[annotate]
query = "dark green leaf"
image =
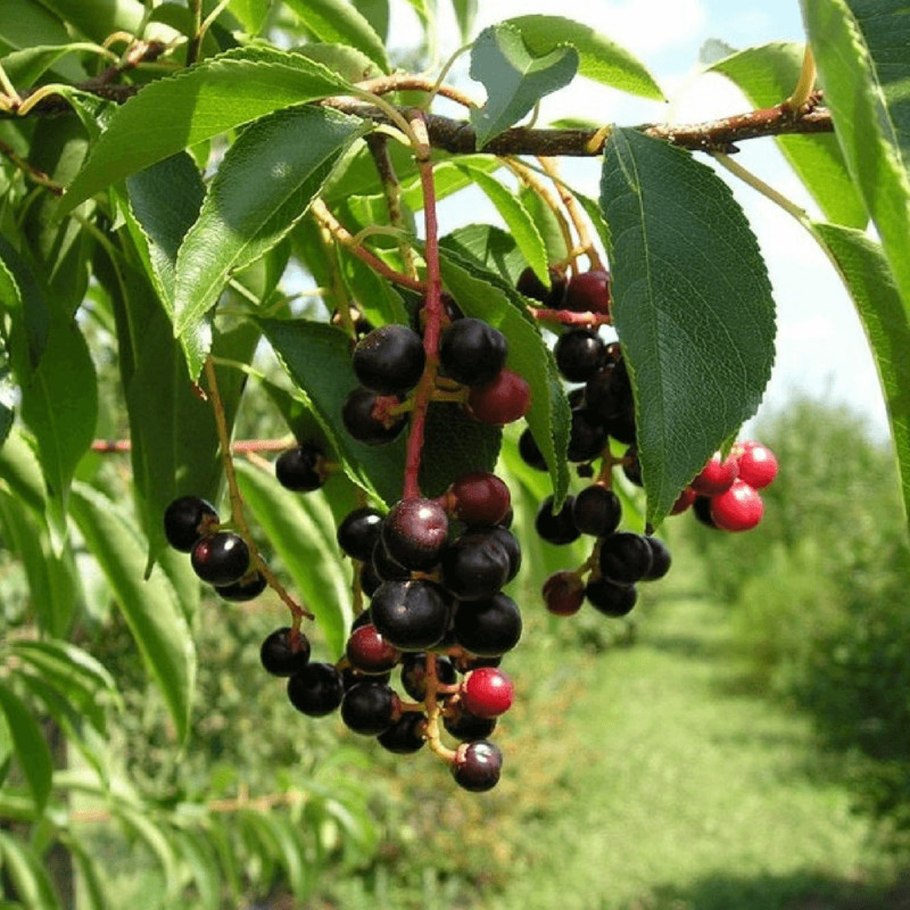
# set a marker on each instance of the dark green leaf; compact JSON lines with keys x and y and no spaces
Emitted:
{"x":547,"y":225}
{"x":515,"y":78}
{"x":338,"y":22}
{"x":376,"y":12}
{"x":692,"y":307}
{"x":151,"y":608}
{"x":454,"y":445}
{"x":598,"y":57}
{"x":29,"y":746}
{"x":490,"y":247}
{"x":26,"y":303}
{"x":203,"y":101}
{"x":26,"y":66}
{"x":25,"y":24}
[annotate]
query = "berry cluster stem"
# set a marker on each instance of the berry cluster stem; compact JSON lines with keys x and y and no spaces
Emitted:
{"x":433,"y":712}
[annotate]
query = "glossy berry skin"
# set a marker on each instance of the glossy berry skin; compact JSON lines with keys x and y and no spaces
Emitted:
{"x":316,"y":690}
{"x":298,"y":469}
{"x":587,"y":436}
{"x":579,"y":354}
{"x":361,"y":420}
{"x":609,"y":598}
{"x":504,"y":399}
{"x":560,"y":528}
{"x":358,"y":532}
{"x":369,"y":707}
{"x":369,"y":652}
{"x":390,"y":359}
{"x":475,"y":566}
{"x":596,"y":511}
{"x":529,"y":451}
{"x":488,"y":627}
{"x":738,"y":509}
{"x":512,"y":547}
{"x":480,"y":498}
{"x":385,"y":567}
{"x":472,"y":352}
{"x":186,"y":520}
{"x":563,"y":593}
{"x":221,"y":559}
{"x":757,"y":464}
{"x":660,"y":559}
{"x":625,"y":557}
{"x":406,"y":735}
{"x":531,"y":286}
{"x":487,"y":692}
{"x":414,"y":674}
{"x":279,"y":657}
{"x":466,"y":726}
{"x":716,"y":476}
{"x":243,"y":590}
{"x":589,"y":291}
{"x":411,"y":615}
{"x":477,"y":766}
{"x":415,"y":531}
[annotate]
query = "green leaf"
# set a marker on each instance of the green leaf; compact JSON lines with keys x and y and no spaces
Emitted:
{"x":547,"y":225}
{"x":490,"y":247}
{"x":886,"y":319}
{"x":243,"y":214}
{"x":515,"y":79}
{"x":317,"y":358}
{"x":139,"y":823}
{"x":870,"y":133}
{"x":482,"y":293}
{"x":29,"y":746}
{"x":465,"y":14}
{"x":302,"y":532}
{"x":598,"y":58}
{"x":198,"y":103}
{"x":26,"y":303}
{"x":97,"y":19}
{"x":26,"y":24}
{"x":379,"y":300}
{"x":8,"y":395}
{"x":348,"y":62}
{"x":251,"y":13}
{"x":338,"y":22}
{"x":376,"y":12}
{"x":692,"y":307}
{"x":517,"y":218}
{"x":26,"y":66}
{"x":196,"y":850}
{"x":767,"y":75}
{"x":151,"y":608}
{"x":27,"y":874}
{"x":20,"y":469}
{"x":90,"y":877}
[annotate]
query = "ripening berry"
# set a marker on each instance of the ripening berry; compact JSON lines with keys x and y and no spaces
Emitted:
{"x":589,"y":292}
{"x":757,"y":464}
{"x":502,"y":400}
{"x":487,"y":692}
{"x":477,"y":766}
{"x":716,"y":476}
{"x":738,"y":509}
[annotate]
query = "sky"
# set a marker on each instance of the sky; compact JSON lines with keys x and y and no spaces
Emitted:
{"x":821,"y":346}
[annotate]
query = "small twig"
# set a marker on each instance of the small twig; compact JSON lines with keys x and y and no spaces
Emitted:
{"x":238,"y":447}
{"x":804,"y":85}
{"x":31,"y":172}
{"x":734,"y":167}
{"x":567,"y":317}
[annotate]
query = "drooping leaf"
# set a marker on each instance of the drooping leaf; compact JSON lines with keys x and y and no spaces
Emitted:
{"x":197,"y":852}
{"x":20,"y":468}
{"x":515,"y":78}
{"x":178,"y":111}
{"x":151,"y":608}
{"x":317,"y":358}
{"x":378,"y":299}
{"x":26,"y":303}
{"x":244,"y":215}
{"x":338,"y":22}
{"x":599,"y":58}
{"x":7,"y":394}
{"x":886,"y":320}
{"x":29,"y":746}
{"x":547,"y":225}
{"x":96,"y":894}
{"x":692,"y":307}
{"x":767,"y":75}
{"x":142,"y":825}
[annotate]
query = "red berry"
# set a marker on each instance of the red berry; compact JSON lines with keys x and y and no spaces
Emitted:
{"x":480,"y":498}
{"x":369,"y":652}
{"x":683,"y":501}
{"x":757,"y":464}
{"x":589,"y":292}
{"x":477,"y":766}
{"x":487,"y":692}
{"x":738,"y":509}
{"x":503,"y":400}
{"x":716,"y":476}
{"x":563,"y":593}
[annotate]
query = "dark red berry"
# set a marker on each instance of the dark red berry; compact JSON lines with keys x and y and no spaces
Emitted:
{"x":475,"y":566}
{"x":558,"y":528}
{"x":281,"y":655}
{"x":466,"y":726}
{"x":531,"y":286}
{"x":563,"y":593}
{"x":300,"y":469}
{"x":596,"y":511}
{"x":716,"y":476}
{"x":316,"y":690}
{"x":390,"y":359}
{"x":684,"y":501}
{"x":406,"y":735}
{"x":415,"y":531}
{"x":477,"y":766}
{"x":504,"y":399}
{"x":738,"y":509}
{"x":488,"y":627}
{"x":358,"y":532}
{"x":579,"y":354}
{"x":625,"y":557}
{"x":369,"y":707}
{"x":411,"y":615}
{"x":221,"y":559}
{"x":472,"y":352}
{"x":366,"y":420}
{"x":480,"y":498}
{"x":369,"y":652}
{"x":529,"y":452}
{"x":243,"y":590}
{"x":414,"y":674}
{"x":609,"y":598}
{"x":186,"y":520}
{"x":487,"y":692}
{"x":589,"y":292}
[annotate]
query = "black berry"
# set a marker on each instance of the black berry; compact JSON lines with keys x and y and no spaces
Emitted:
{"x":414,"y":674}
{"x":579,"y":354}
{"x":472,"y":352}
{"x":364,"y":420}
{"x":280,"y":656}
{"x":625,"y":557}
{"x":243,"y":590}
{"x":299,"y":469}
{"x":221,"y":559}
{"x":609,"y":598}
{"x":488,"y":627}
{"x":477,"y":766}
{"x":596,"y":511}
{"x":415,"y":531}
{"x":369,"y":707}
{"x":405,"y":735}
{"x":529,"y":451}
{"x":475,"y":566}
{"x":358,"y":532}
{"x":531,"y":286}
{"x":390,"y":359}
{"x":556,"y":528}
{"x":186,"y":520}
{"x":316,"y":690}
{"x":411,"y":615}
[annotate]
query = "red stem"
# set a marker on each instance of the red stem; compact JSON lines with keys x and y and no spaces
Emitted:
{"x":567,"y":317}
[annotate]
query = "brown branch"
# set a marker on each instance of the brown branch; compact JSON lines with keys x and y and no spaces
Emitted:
{"x":239,"y":447}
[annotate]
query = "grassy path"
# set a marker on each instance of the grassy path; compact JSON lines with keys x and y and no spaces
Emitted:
{"x":665,"y":785}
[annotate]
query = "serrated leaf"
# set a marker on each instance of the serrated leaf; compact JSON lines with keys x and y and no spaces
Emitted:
{"x":301,"y":530}
{"x":243,"y":214}
{"x":490,"y":247}
{"x":317,"y":358}
{"x":376,"y":12}
{"x":692,"y":307}
{"x":515,"y":79}
{"x":27,"y":873}
{"x":378,"y":299}
{"x":599,"y":58}
{"x":483,"y":294}
{"x":519,"y":222}
{"x":338,"y":22}
{"x":151,"y":608}
{"x":178,"y":111}
{"x":886,"y":319}
{"x":29,"y":746}
{"x":767,"y":75}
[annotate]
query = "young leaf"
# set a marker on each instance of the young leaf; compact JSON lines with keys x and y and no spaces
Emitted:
{"x":692,"y":307}
{"x":348,"y":62}
{"x":203,"y":101}
{"x":150,"y":608}
{"x":598,"y":58}
{"x":29,"y":746}
{"x":337,"y":22}
{"x":243,"y":215}
{"x":515,"y":79}
{"x":767,"y":75}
